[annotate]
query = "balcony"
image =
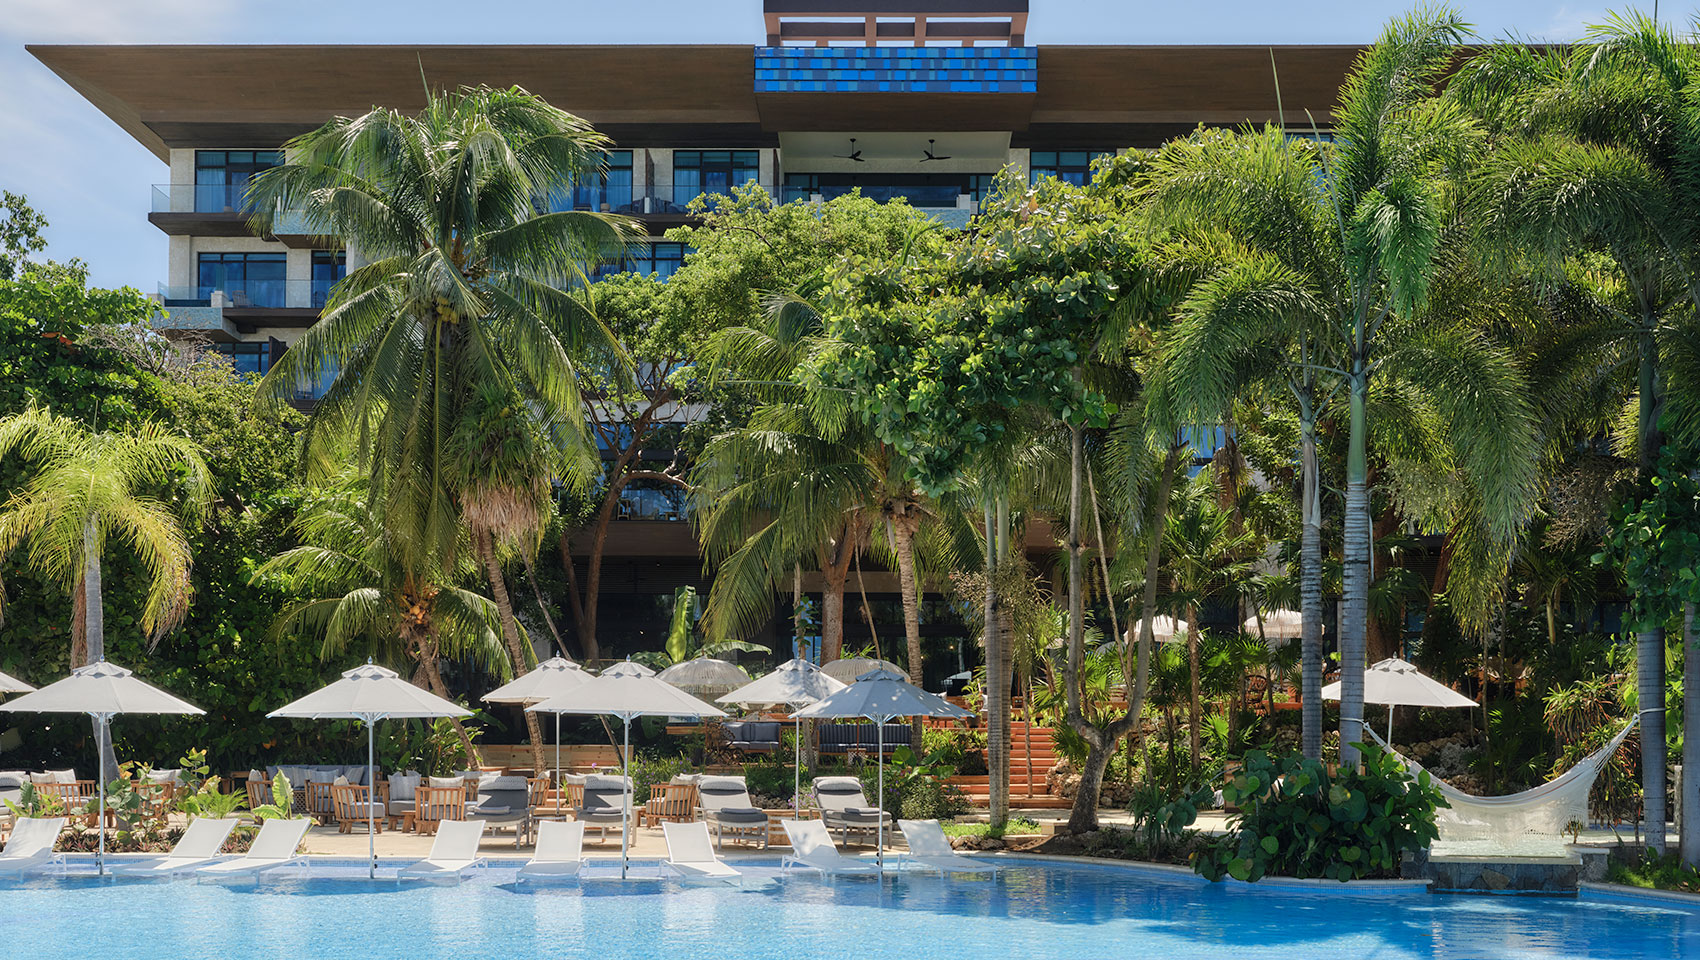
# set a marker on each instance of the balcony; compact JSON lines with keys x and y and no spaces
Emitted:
{"x":654,"y":202}
{"x":218,"y":210}
{"x":248,"y":305}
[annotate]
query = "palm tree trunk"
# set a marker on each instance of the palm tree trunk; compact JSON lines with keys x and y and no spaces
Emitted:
{"x":1650,"y":644}
{"x":1354,"y":579}
{"x":434,"y":682}
{"x":997,"y":684}
{"x":94,"y":641}
{"x":1310,"y":590}
{"x":903,"y":533}
{"x":1006,"y":646}
{"x":1688,"y":806}
{"x":836,"y":573}
{"x":1195,"y":717}
{"x":517,"y":651}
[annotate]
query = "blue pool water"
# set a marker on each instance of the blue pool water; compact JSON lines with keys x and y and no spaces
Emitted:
{"x":1030,"y":911}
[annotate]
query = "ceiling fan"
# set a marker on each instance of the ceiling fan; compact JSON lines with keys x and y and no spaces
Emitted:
{"x":854,"y":154}
{"x":929,"y":152}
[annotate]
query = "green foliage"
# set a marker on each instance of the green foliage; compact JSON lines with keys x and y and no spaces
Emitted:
{"x":1656,"y":545}
{"x":283,"y":800}
{"x":1160,"y":818}
{"x":915,"y":786}
{"x":20,"y":233}
{"x":962,"y":749}
{"x":649,"y":770}
{"x":1014,"y":826}
{"x":1654,"y":872}
{"x":1298,"y":820}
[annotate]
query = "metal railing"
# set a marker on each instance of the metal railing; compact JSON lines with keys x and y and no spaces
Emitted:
{"x":249,"y":294}
{"x":651,"y":199}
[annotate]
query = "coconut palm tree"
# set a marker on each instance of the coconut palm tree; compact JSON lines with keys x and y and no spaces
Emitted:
{"x":86,"y":488}
{"x":354,"y":585}
{"x":466,"y":284}
{"x":1341,"y":244}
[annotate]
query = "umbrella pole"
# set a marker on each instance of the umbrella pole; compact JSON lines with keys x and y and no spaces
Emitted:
{"x":626,"y":778}
{"x":879,"y":827}
{"x":1390,"y":726}
{"x":100,"y":764}
{"x":797,"y":776}
{"x":371,"y":811}
{"x":557,"y":751}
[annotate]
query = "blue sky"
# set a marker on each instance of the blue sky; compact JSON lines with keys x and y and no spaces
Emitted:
{"x":92,"y":181}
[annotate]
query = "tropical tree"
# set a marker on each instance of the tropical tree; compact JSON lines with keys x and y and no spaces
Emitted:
{"x":357,"y":587}
{"x":1592,"y":186}
{"x":1342,"y":244}
{"x":463,"y":310}
{"x":86,"y":488}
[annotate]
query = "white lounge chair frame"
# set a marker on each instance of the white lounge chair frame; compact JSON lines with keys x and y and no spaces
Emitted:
{"x":275,"y":847}
{"x":559,"y":853}
{"x":930,"y":849}
{"x":30,"y":847}
{"x":199,"y":846}
{"x":690,"y":853}
{"x":812,"y":847}
{"x":454,"y":852}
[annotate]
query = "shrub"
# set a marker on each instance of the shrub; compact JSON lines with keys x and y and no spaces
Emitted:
{"x":963,"y":749}
{"x":1298,"y":820}
{"x":655,"y":769}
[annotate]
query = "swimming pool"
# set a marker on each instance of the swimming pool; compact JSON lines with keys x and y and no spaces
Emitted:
{"x":1031,"y":911}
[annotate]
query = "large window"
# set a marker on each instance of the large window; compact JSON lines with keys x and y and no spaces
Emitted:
{"x":696,"y":172}
{"x":245,"y":279}
{"x":919,"y":189}
{"x":247,"y":358}
{"x":660,"y":258}
{"x":611,"y":190}
{"x":221,"y":177}
{"x":329,"y":266}
{"x":1072,"y":166}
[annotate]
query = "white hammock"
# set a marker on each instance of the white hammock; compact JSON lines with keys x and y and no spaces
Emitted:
{"x":1530,"y":823}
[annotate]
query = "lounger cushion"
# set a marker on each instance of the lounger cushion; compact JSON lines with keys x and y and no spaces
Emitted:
{"x":869,"y":815}
{"x":448,"y":782}
{"x":165,"y":776}
{"x":491,"y":782}
{"x":737,"y":815}
{"x":13,"y":779}
{"x":404,"y":786}
{"x":54,"y":776}
{"x":399,"y":807}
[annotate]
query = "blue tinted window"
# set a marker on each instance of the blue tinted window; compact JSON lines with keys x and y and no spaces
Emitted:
{"x":1071,"y":166}
{"x":245,"y":279}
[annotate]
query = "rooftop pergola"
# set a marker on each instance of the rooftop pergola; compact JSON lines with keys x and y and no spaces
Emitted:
{"x":824,"y":22}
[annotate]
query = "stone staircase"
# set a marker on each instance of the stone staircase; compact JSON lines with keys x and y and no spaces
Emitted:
{"x":1031,"y":756}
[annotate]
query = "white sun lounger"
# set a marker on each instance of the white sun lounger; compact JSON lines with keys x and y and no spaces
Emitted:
{"x":274,"y":847}
{"x":930,"y":848}
{"x":560,"y":851}
{"x":31,"y":846}
{"x":454,"y":852}
{"x":690,"y":853}
{"x":812,"y":847}
{"x":199,"y":846}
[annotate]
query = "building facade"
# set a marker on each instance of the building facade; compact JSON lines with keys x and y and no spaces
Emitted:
{"x":923,"y":100}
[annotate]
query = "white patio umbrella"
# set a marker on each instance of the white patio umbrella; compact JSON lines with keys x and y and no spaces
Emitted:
{"x":102,"y":690}
{"x":11,"y":684}
{"x":1165,"y":629}
{"x":628,"y":668}
{"x":1277,"y":625}
{"x":848,"y":669}
{"x":626,"y":696}
{"x":1398,"y":683}
{"x":554,"y":677}
{"x":370,"y":693}
{"x":882,"y":695}
{"x":795,"y":683}
{"x":705,"y":676}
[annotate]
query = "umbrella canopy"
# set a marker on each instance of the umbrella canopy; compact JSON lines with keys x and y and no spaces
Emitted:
{"x":881,"y":695}
{"x":102,"y":690}
{"x":1166,"y":629}
{"x":628,"y":668}
{"x":847,"y":670}
{"x":793,"y":683}
{"x":11,"y":684}
{"x":370,"y":693}
{"x":1399,"y":683}
{"x":551,"y":678}
{"x":627,"y":695}
{"x":705,"y":676}
{"x":1277,"y":625}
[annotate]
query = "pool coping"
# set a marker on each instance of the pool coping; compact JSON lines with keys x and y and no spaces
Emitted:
{"x":1172,"y":870}
{"x":1623,"y":891}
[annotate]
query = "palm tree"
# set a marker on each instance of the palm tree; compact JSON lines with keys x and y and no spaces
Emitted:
{"x":466,"y":284}
{"x":1340,"y":246}
{"x":87,"y":487}
{"x":354,"y":584}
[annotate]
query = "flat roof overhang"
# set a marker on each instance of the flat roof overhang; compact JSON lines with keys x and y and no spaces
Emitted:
{"x":686,"y":95}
